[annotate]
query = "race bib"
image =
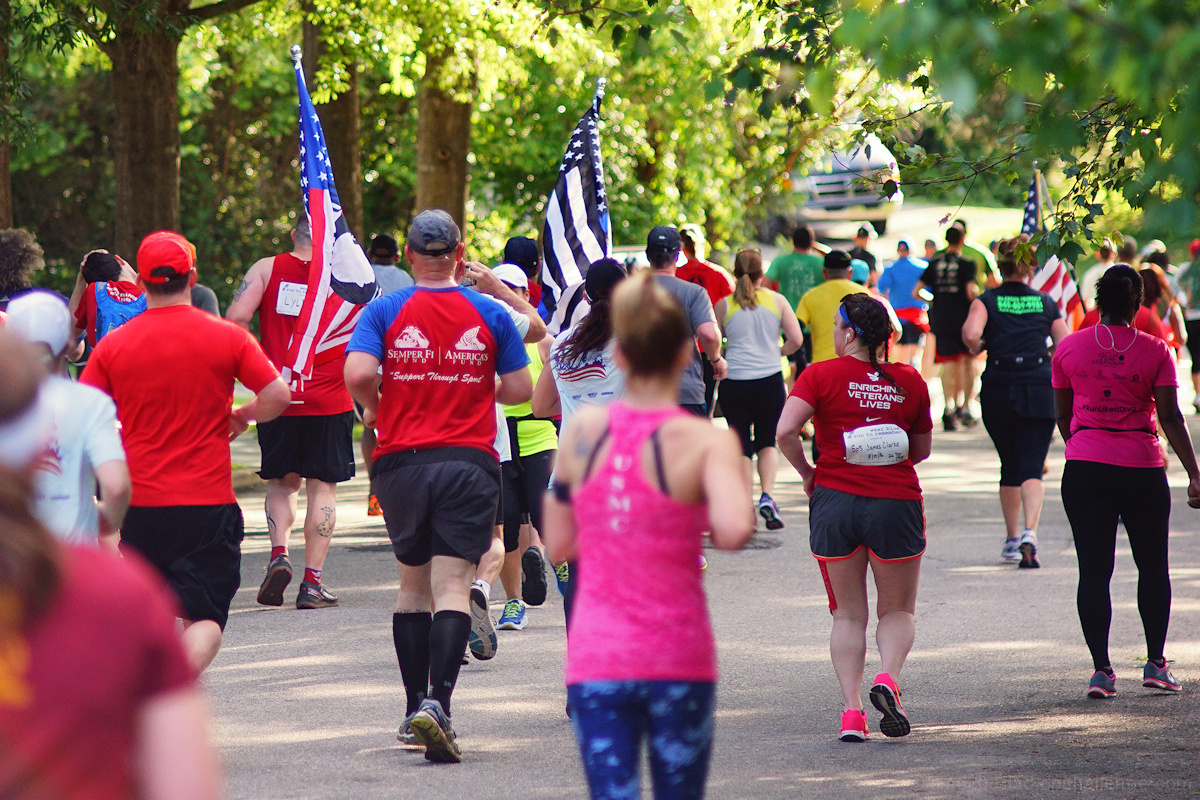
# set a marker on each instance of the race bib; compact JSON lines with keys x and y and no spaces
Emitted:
{"x":290,"y":299}
{"x":876,"y":445}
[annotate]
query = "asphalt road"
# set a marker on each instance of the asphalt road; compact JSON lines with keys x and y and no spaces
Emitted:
{"x":306,"y":703}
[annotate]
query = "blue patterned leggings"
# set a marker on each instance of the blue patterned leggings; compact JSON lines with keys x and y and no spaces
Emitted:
{"x":612,"y":717}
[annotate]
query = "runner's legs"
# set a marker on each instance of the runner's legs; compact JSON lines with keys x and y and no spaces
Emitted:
{"x":896,"y":603}
{"x":320,"y":517}
{"x":280,"y":504}
{"x":848,"y":639}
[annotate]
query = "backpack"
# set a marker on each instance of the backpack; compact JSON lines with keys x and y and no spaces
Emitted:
{"x":115,"y":307}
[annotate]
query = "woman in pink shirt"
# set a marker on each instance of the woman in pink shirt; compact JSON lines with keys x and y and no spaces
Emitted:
{"x":643,"y":477}
{"x":1109,"y":381}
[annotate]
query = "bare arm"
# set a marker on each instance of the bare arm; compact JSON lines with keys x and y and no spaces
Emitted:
{"x":1058,"y":331}
{"x":174,"y":758}
{"x":793,"y":338}
{"x":721,"y":309}
{"x":972,"y":330}
{"x":487,"y":283}
{"x":1064,"y":411}
{"x":249,"y":294}
{"x":919,"y":446}
{"x":546,"y":402}
{"x":917,"y":289}
{"x":796,"y":413}
{"x":709,"y":338}
{"x":115,"y":491}
{"x":362,"y":379}
{"x":726,"y":485}
{"x":1166,"y":402}
{"x":271,"y":401}
{"x":574,"y":446}
{"x":514,"y":387}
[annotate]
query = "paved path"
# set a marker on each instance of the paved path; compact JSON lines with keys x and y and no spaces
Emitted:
{"x":307,"y":703}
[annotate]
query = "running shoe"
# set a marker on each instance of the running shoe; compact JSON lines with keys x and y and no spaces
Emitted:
{"x":1160,"y":678}
{"x":279,"y":575}
{"x":1103,"y":685}
{"x":1012,"y":550}
{"x":885,"y":696}
{"x":533,"y":587}
{"x":482,"y":639}
{"x":965,"y":417}
{"x":406,"y":735}
{"x":315,"y":595}
{"x":949,"y":423}
{"x":513,"y":616}
{"x":769,"y":512}
{"x":1028,"y":548}
{"x":373,"y":509}
{"x":854,"y":726}
{"x":562,"y":574}
{"x":431,"y":727}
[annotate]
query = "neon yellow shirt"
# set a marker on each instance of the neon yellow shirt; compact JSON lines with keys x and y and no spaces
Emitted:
{"x":816,"y":310}
{"x":533,"y":435}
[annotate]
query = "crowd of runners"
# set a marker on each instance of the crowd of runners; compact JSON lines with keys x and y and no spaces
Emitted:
{"x":506,"y":444}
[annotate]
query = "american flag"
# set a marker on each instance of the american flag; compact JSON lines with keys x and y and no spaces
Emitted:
{"x":340,"y":279}
{"x":577,"y":229}
{"x":1054,"y":278}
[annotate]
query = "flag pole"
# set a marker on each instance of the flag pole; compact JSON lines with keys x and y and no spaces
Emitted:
{"x":296,"y":55}
{"x":600,"y":84}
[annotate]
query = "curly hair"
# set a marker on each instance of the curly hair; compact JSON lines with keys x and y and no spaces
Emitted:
{"x":872,"y":319}
{"x":20,"y":257}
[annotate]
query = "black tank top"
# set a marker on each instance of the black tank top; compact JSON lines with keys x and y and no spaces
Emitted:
{"x":1018,"y":326}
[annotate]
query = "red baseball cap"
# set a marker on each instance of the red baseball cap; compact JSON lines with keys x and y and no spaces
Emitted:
{"x":1194,"y":248}
{"x":165,"y":249}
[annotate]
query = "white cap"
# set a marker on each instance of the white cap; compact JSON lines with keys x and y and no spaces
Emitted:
{"x":512,"y":275}
{"x":41,"y":317}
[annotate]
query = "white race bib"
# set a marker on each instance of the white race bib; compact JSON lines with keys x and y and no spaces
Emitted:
{"x":876,"y":445}
{"x":290,"y":298}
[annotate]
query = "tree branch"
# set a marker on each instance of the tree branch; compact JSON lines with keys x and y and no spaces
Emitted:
{"x":211,"y":10}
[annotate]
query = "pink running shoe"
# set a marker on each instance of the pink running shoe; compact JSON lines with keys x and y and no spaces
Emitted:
{"x":885,"y":696}
{"x":854,"y":726}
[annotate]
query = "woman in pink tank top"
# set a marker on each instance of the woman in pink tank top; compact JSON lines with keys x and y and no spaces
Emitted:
{"x":644,"y":477}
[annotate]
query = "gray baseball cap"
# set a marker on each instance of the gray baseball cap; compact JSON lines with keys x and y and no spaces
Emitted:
{"x":433,"y":233}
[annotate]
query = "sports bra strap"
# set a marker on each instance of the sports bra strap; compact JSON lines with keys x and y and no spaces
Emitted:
{"x":591,"y":462}
{"x":656,"y":446}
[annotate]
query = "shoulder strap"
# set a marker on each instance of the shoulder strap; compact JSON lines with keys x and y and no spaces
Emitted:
{"x":660,"y":471}
{"x":591,"y":462}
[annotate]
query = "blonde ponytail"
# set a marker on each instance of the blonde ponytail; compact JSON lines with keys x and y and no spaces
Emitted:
{"x":747,"y":269}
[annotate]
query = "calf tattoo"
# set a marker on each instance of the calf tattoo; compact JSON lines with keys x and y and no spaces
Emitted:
{"x":325,"y":527}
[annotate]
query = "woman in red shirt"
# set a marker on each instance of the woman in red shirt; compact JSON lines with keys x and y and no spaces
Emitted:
{"x":97,"y":699}
{"x":871,"y":426}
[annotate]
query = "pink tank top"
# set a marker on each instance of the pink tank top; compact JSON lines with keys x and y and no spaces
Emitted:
{"x":640,"y":610}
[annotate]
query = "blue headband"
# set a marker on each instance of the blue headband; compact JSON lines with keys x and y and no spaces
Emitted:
{"x":846,"y":321}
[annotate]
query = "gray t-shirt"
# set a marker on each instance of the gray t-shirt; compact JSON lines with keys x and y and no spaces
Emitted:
{"x":699,"y":310}
{"x":205,"y":299}
{"x":391,"y":279}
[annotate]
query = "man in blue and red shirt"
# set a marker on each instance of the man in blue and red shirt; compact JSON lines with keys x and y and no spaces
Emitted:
{"x":449,"y":355}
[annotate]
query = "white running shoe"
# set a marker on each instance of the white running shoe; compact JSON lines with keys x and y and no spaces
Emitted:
{"x":1012,"y":550}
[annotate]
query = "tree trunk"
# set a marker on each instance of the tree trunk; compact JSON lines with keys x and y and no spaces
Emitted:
{"x":443,"y":142}
{"x":145,"y":80}
{"x":341,"y":124}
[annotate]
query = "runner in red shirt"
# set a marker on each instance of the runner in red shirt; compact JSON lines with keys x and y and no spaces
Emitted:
{"x":106,"y":287}
{"x":716,"y":283}
{"x":171,"y":373}
{"x":312,"y":441}
{"x":448,"y":354}
{"x":97,"y":699}
{"x":872,"y":425}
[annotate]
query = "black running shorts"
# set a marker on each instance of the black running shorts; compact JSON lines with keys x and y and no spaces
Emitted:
{"x":911,"y":333}
{"x":840,"y":524}
{"x":320,"y":447}
{"x":439,"y":502}
{"x":198,"y":549}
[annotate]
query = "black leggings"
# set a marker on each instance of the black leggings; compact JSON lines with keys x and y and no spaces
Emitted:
{"x":1095,"y":496}
{"x":1021,"y":443}
{"x":525,"y":482}
{"x":754,"y":405}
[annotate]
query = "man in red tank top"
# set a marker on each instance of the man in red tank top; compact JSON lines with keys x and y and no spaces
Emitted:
{"x":311,"y":442}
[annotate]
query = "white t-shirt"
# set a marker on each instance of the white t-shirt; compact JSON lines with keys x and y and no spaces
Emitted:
{"x":503,"y":446}
{"x":85,"y":435}
{"x":594,"y":379}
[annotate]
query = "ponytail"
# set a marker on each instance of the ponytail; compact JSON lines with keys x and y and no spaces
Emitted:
{"x":747,"y":269}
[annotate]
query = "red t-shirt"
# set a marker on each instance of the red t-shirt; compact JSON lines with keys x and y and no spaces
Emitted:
{"x":325,"y":392}
{"x":709,"y":279}
{"x":171,"y":372}
{"x":85,"y":313}
{"x":104,"y":647}
{"x":1146,"y":321}
{"x":441,"y":350}
{"x":856,"y":404}
{"x":535,"y":293}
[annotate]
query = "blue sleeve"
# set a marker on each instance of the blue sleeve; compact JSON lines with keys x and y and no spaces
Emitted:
{"x":372,"y":327}
{"x":885,"y":280}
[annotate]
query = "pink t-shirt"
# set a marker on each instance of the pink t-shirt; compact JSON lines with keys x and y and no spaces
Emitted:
{"x":1113,"y":372}
{"x":640,"y":612}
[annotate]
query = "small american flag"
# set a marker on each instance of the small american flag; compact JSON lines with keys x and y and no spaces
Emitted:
{"x":577,"y":230}
{"x":1054,"y":278}
{"x":340,"y":279}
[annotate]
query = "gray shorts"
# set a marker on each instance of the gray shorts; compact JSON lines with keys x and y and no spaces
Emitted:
{"x":840,"y":524}
{"x":440,"y":502}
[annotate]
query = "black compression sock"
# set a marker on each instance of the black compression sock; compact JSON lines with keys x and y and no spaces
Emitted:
{"x":447,"y":644}
{"x":410,"y":635}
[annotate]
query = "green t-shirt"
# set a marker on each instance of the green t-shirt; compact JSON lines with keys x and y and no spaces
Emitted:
{"x":796,"y":273}
{"x":985,"y":263}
